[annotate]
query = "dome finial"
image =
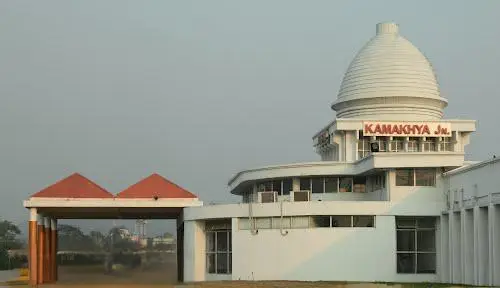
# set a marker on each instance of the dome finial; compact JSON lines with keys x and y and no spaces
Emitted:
{"x":387,"y":28}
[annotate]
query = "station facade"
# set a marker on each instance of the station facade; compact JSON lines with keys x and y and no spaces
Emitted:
{"x":392,"y":199}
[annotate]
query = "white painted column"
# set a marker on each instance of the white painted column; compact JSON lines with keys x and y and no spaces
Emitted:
{"x":444,"y":268}
{"x":475,"y":229}
{"x":469,"y":247}
{"x":491,"y":247}
{"x":194,"y":251}
{"x":496,"y":248}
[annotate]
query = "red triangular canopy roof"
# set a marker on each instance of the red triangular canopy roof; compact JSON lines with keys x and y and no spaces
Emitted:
{"x":155,"y":185}
{"x":74,"y":186}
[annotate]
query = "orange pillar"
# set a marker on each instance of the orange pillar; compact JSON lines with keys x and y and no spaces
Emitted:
{"x":41,"y":248}
{"x":53,"y":250}
{"x":32,"y":247}
{"x":47,"y":259}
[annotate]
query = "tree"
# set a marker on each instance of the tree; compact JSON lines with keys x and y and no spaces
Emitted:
{"x":8,"y":235}
{"x":71,"y":238}
{"x":8,"y":241}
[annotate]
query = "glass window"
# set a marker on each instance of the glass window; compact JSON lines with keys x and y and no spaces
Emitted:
{"x":413,"y":145}
{"x":265,"y":186}
{"x":363,"y":221}
{"x":278,"y":222}
{"x":219,"y":246}
{"x":331,"y":185}
{"x":425,"y":177}
{"x":426,"y":240}
{"x":341,"y":221}
{"x":416,"y":244}
{"x":445,"y":144}
{"x":429,"y":145}
{"x":359,"y":184}
{"x":211,"y":263}
{"x":345,"y":184}
{"x":263,"y":223}
{"x":211,"y":241}
{"x":426,"y":263}
{"x":222,"y":263}
{"x":287,"y":186}
{"x":404,"y":177}
{"x":300,"y":222}
{"x":222,"y":242}
{"x":406,"y":262}
{"x":305,"y":183}
{"x":277,"y":186}
{"x":320,"y":221}
{"x":318,"y":185}
{"x":382,"y":144}
{"x":406,"y":240}
{"x":396,"y":145}
{"x":363,"y":147}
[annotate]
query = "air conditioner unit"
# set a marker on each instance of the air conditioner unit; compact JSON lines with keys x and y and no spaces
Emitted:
{"x":301,"y":196}
{"x":268,"y":197}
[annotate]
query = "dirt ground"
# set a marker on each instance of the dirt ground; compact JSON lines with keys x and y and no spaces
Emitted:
{"x":165,"y":275}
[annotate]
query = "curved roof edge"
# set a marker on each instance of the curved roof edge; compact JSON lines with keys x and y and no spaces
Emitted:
{"x":382,"y":160}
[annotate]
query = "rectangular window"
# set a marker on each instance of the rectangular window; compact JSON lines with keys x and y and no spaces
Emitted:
{"x":404,"y":177}
{"x":305,"y":183}
{"x":277,"y":186}
{"x":300,"y":222}
{"x":396,"y":145}
{"x":345,"y":184}
{"x":425,"y":177}
{"x":416,"y":245}
{"x":341,"y":221}
{"x":382,"y":144}
{"x":416,"y":177}
{"x":413,"y":145}
{"x":359,"y":184}
{"x":331,"y":185}
{"x":445,"y":144}
{"x":287,"y":186}
{"x":219,"y":246}
{"x":320,"y":221}
{"x":363,"y":147}
{"x":363,"y":221}
{"x":429,"y":145}
{"x":265,"y":186}
{"x":278,"y":222}
{"x":318,"y":185}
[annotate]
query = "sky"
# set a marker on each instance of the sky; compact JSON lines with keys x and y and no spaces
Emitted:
{"x":199,"y":90}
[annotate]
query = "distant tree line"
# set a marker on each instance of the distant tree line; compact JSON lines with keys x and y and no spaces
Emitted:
{"x":9,"y":240}
{"x":73,"y":239}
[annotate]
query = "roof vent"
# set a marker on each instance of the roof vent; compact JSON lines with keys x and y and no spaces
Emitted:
{"x":387,"y":28}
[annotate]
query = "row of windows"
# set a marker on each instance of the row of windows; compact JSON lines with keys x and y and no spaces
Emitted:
{"x":416,"y":245}
{"x":416,"y":177}
{"x":415,"y":144}
{"x":319,"y":185}
{"x":298,"y":222}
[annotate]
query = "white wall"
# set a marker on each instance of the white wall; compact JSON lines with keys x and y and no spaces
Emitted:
{"x":194,"y":251}
{"x":474,"y":221}
{"x":340,"y":254}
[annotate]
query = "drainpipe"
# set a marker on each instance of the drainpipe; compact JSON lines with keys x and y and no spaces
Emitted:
{"x":282,"y":231}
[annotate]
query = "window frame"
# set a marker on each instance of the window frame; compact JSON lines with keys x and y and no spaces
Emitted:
{"x":415,"y":251}
{"x":213,"y":235}
{"x":413,"y":174}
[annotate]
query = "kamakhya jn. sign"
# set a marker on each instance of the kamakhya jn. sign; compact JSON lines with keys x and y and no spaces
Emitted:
{"x":419,"y":129}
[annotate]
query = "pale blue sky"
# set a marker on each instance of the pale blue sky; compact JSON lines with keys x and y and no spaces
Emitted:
{"x":198,"y":90}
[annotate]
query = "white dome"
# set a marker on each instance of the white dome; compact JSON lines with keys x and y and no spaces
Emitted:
{"x":389,"y":79}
